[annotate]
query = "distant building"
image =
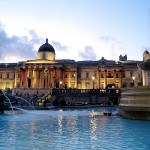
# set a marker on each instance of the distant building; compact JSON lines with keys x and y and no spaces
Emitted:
{"x":46,"y":72}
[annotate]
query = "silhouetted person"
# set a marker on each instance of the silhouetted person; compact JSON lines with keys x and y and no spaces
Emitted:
{"x":63,"y":102}
{"x":56,"y":102}
{"x":44,"y":103}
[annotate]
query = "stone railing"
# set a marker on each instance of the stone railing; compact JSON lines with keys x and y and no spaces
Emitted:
{"x":87,"y":92}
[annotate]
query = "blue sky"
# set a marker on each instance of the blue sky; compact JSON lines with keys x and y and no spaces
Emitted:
{"x":78,"y":29}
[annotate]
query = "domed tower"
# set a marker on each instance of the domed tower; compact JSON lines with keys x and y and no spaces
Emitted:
{"x":46,"y":51}
{"x":146,"y":55}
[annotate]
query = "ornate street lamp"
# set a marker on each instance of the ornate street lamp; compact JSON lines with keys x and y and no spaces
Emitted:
{"x":60,"y":84}
{"x":133,"y":78}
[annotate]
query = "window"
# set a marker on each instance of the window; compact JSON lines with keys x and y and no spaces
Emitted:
{"x":7,"y":75}
{"x":87,"y":85}
{"x":72,"y":75}
{"x":72,"y":85}
{"x":66,"y":75}
{"x":87,"y":74}
{"x":65,"y":85}
{"x":95,"y":74}
{"x":79,"y":75}
{"x":117,"y":75}
{"x":44,"y":56}
{"x":123,"y":75}
{"x":7,"y":85}
{"x":18,"y":75}
{"x":102,"y":75}
{"x":139,"y":75}
{"x":1,"y":75}
{"x":131,"y":74}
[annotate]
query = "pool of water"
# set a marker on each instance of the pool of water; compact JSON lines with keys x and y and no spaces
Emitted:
{"x":72,"y":129}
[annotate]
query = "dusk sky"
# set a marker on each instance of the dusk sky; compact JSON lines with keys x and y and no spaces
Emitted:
{"x":77,"y":29}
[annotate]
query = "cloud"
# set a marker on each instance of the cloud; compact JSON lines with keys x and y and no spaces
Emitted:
{"x":112,"y":45}
{"x":87,"y":53}
{"x":59,"y":47}
{"x":17,"y":48}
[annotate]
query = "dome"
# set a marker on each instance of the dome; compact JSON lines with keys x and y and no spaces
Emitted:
{"x":146,"y":52}
{"x":46,"y":47}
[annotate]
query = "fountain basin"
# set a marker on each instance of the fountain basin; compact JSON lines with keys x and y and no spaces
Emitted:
{"x":135,"y":103}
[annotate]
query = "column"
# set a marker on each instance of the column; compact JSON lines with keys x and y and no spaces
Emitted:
{"x":69,"y":85}
{"x":105,"y":79}
{"x":46,"y":77}
{"x":31,"y":77}
{"x":48,"y":73}
{"x":37,"y":78}
{"x":43,"y":78}
{"x":76,"y":80}
{"x":115,"y":77}
{"x":61,"y":74}
{"x":20,"y":78}
{"x":26,"y":79}
{"x":99,"y":78}
{"x":54,"y":77}
{"x":120,"y":78}
{"x":15,"y":79}
{"x":34,"y":78}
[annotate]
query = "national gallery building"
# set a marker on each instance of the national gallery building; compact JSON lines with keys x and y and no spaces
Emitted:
{"x":46,"y":72}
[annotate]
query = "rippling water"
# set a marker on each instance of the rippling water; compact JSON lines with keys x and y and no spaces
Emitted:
{"x":69,"y":129}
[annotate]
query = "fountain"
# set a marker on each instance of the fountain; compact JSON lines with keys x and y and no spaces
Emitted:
{"x":135,"y":102}
{"x":6,"y":103}
{"x":26,"y":102}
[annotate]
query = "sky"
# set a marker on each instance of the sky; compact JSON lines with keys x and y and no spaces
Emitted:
{"x":77,"y":29}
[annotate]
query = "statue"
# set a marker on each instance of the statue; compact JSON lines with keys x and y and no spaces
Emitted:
{"x":145,"y":66}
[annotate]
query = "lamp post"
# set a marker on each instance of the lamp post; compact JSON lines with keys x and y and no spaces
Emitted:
{"x":133,"y":78}
{"x":60,"y":84}
{"x":93,"y":78}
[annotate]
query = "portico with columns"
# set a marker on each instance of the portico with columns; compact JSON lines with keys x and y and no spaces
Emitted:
{"x":40,"y":76}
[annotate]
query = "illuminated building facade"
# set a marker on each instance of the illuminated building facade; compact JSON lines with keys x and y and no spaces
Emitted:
{"x":46,"y":72}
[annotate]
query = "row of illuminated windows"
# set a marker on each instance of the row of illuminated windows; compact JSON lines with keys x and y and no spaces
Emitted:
{"x":102,"y":75}
{"x":9,"y":75}
{"x":88,"y":75}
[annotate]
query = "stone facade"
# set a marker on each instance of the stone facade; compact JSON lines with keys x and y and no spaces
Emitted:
{"x":46,"y":72}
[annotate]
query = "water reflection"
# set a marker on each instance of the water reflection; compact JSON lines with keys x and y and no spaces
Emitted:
{"x":77,"y":129}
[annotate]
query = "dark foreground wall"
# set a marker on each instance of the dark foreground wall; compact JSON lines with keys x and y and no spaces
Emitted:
{"x":90,"y":96}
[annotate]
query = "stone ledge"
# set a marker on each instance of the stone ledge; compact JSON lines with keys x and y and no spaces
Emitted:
{"x":134,"y":107}
{"x":142,"y":113}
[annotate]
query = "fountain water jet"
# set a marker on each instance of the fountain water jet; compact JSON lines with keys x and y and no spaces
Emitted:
{"x":25,"y":101}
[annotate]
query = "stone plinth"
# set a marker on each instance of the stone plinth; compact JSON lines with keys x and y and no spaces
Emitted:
{"x":135,"y":103}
